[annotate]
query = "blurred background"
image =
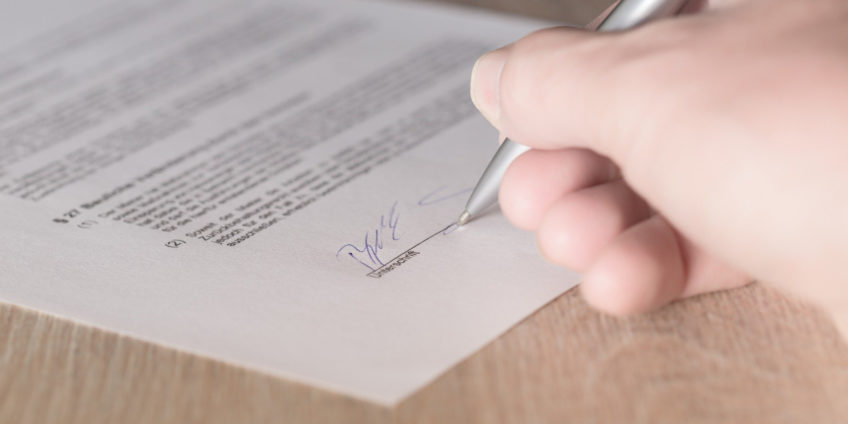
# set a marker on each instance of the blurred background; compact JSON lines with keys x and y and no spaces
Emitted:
{"x":575,"y":12}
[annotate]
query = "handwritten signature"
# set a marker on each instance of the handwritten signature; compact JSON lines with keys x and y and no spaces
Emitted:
{"x":368,"y":254}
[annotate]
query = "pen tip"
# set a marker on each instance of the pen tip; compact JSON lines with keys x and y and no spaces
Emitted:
{"x":463,"y":219}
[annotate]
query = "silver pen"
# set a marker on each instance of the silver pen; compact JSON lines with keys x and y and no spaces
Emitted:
{"x":628,"y":14}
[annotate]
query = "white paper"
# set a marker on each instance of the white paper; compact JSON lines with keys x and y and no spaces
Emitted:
{"x":220,"y":177}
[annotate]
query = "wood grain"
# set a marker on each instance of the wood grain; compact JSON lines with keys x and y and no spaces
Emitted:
{"x":745,"y":356}
{"x":56,"y":371}
{"x":748,"y":356}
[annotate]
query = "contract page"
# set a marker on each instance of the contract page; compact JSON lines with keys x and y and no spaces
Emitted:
{"x":268,"y":183}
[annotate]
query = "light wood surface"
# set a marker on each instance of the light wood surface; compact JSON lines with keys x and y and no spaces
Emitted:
{"x":745,"y":356}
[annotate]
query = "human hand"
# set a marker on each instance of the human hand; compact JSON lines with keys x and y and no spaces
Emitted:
{"x":689,"y":155}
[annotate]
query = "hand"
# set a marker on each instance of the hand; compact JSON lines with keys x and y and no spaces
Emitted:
{"x":689,"y":155}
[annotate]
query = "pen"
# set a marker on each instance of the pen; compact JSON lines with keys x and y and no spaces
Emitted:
{"x":627,"y":14}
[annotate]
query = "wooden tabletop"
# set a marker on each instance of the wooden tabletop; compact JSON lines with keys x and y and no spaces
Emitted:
{"x":750,"y":355}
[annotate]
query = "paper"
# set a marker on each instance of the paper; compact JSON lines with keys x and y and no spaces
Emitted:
{"x":266,"y":183}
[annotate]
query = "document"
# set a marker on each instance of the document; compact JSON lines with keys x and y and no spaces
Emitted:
{"x":267,"y":183}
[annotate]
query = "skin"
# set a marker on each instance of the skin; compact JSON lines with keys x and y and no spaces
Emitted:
{"x":689,"y":155}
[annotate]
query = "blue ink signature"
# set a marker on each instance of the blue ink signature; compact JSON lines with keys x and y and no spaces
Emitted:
{"x":438,"y":195}
{"x":368,"y":254}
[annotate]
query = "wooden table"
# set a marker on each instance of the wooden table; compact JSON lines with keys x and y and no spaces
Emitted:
{"x":748,"y":355}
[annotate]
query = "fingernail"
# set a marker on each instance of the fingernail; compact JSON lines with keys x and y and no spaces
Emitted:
{"x":485,"y":84}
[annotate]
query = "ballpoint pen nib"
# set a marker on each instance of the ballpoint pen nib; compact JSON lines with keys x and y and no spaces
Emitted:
{"x":463,"y":219}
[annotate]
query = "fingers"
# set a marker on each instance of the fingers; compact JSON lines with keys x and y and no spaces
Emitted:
{"x":539,"y":178}
{"x":631,"y":97}
{"x":606,"y":91}
{"x":580,"y":225}
{"x":539,"y":88}
{"x":641,"y":270}
{"x":589,"y":220}
{"x":648,"y":266}
{"x":713,"y":147}
{"x":704,"y":272}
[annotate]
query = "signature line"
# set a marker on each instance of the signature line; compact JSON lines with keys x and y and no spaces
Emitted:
{"x":442,"y":231}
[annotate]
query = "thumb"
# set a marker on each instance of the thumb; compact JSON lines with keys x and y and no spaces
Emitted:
{"x":635,"y":97}
{"x":565,"y":87}
{"x":569,"y":81}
